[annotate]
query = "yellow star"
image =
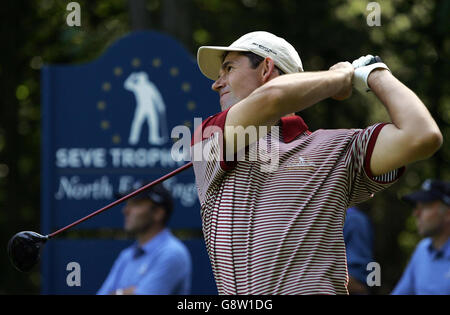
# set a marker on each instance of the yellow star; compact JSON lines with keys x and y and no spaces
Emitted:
{"x":106,"y":86}
{"x":118,"y":71}
{"x":116,"y":139}
{"x":174,"y":71}
{"x":191,"y":105}
{"x":105,"y":124}
{"x":156,"y":62}
{"x":136,"y":62}
{"x":101,"y":105}
{"x":186,"y":87}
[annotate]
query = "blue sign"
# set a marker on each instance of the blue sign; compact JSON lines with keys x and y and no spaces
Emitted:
{"x":107,"y":130}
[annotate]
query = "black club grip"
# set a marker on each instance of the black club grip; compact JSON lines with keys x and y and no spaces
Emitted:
{"x":374,"y":60}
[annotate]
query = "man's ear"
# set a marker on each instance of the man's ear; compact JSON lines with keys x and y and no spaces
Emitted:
{"x":268,"y":69}
{"x":158,"y":214}
{"x":446,"y":210}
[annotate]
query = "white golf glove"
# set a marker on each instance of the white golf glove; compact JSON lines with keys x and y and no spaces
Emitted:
{"x":363,"y":67}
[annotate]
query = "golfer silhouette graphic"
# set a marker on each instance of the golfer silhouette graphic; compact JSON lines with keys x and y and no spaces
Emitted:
{"x":150,"y":108}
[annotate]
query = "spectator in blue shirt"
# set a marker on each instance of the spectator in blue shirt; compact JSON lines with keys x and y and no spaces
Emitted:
{"x":428,"y":271}
{"x":358,"y":238}
{"x":158,"y":263}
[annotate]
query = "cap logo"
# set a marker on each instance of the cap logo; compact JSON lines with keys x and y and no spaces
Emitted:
{"x":156,"y":198}
{"x":426,"y":185}
{"x":268,"y":50}
{"x":446,"y":200}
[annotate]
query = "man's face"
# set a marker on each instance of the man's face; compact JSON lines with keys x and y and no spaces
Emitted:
{"x":430,"y":218}
{"x":237,"y":80}
{"x":139,"y":216}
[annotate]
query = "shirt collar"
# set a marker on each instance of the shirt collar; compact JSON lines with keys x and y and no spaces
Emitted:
{"x":444,"y":251}
{"x":153,"y":243}
{"x":292,"y":127}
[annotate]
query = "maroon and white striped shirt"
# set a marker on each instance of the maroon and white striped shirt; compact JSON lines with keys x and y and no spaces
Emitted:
{"x":281,"y":232}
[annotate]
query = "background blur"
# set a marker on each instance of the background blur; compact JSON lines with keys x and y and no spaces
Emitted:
{"x":413,"y":40}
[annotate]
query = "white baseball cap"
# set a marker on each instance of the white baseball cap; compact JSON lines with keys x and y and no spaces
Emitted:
{"x":262,"y":43}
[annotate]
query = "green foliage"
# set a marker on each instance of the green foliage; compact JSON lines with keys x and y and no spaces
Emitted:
{"x":413,"y":40}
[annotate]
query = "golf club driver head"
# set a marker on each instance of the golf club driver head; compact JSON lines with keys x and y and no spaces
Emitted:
{"x":24,"y":249}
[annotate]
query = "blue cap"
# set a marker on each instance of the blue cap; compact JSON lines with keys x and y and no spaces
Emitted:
{"x":158,"y":194}
{"x":431,"y":190}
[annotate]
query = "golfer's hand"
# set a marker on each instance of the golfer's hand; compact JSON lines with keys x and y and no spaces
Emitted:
{"x":363,"y":68}
{"x":348,"y":70}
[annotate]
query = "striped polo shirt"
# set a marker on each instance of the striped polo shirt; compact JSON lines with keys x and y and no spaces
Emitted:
{"x":280,"y":231}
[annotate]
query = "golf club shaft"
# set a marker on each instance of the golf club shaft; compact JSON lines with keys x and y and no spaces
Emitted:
{"x":178,"y":170}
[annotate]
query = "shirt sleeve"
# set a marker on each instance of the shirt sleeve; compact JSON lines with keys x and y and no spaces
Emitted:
{"x":362,"y":184}
{"x":208,"y":155}
{"x":167,"y":275}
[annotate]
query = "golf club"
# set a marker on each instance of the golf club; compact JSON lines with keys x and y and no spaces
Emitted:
{"x":24,"y":248}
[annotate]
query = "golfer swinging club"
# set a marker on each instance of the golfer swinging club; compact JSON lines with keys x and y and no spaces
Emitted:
{"x":280,"y":232}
